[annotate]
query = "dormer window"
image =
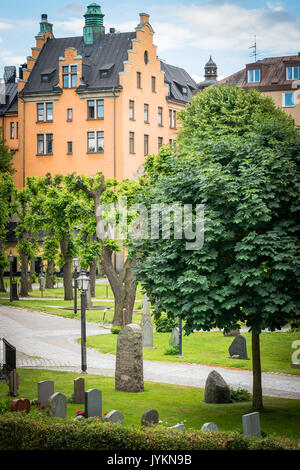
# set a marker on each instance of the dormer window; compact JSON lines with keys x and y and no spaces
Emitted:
{"x":105,"y":70}
{"x":69,"y":76}
{"x":46,"y":75}
{"x":292,"y":73}
{"x":254,"y":76}
{"x":184,"y":90}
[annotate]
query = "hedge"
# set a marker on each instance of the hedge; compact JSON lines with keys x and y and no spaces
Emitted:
{"x":20,"y":432}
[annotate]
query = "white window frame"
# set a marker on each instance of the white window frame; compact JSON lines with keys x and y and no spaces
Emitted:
{"x":284,"y":105}
{"x":293,"y":67}
{"x":254,"y":81}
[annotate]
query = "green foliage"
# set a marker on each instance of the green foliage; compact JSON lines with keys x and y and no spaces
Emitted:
{"x":115,"y":330}
{"x":20,"y":432}
{"x":5,"y":158}
{"x":239,"y":394}
{"x":172,"y":350}
{"x":165,"y":324}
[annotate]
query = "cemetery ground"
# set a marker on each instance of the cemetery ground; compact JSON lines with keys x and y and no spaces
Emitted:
{"x":175,"y":404}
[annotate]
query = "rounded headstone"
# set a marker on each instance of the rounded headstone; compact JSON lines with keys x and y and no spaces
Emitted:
{"x":210,"y":427}
{"x":238,"y":347}
{"x":216,"y":389}
{"x":114,"y":416}
{"x":149,"y":417}
{"x":58,"y":405}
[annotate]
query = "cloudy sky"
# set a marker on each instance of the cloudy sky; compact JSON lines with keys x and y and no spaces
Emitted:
{"x":186,"y":32}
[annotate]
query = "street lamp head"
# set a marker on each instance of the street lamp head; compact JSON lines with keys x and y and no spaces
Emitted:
{"x":10,"y":257}
{"x":83,"y":281}
{"x":76,"y":262}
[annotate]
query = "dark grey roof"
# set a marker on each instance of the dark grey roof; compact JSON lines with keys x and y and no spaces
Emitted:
{"x":178,"y":78}
{"x":108,"y":49}
{"x":11,"y":101}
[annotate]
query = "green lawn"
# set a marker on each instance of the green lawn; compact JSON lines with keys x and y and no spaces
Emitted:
{"x":174,"y":403}
{"x":212,"y":348}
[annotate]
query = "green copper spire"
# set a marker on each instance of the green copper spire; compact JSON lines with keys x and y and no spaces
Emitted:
{"x":93,"y":24}
{"x":44,"y":26}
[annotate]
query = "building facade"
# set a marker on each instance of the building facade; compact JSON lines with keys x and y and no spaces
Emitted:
{"x":278,"y":77}
{"x":96,"y":102}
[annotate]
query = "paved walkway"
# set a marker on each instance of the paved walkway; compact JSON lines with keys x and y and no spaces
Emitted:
{"x":44,"y":340}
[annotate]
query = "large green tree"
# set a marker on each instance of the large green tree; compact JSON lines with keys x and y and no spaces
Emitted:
{"x":248,"y":266}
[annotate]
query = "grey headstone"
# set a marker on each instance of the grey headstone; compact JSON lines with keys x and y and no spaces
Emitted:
{"x":114,"y":416}
{"x":175,"y":336}
{"x":79,"y":396}
{"x":210,"y":427}
{"x":147,"y":325}
{"x":58,"y":405}
{"x":238,"y":347}
{"x":251,"y":424}
{"x":216,"y":389}
{"x":129,"y":376}
{"x":45,"y":390}
{"x":93,"y":403}
{"x":178,"y":427}
{"x":149,"y":417}
{"x":13,"y":383}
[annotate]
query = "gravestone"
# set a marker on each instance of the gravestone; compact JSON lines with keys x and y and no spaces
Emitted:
{"x":147,"y":325}
{"x":251,"y":424}
{"x":79,"y":396}
{"x":114,"y":416}
{"x":93,"y":403}
{"x":13,"y":383}
{"x":45,"y":390}
{"x":238,"y":348}
{"x":129,"y":375}
{"x":58,"y":405}
{"x":178,"y":427}
{"x":149,"y":417}
{"x":216,"y":389}
{"x":210,"y":427}
{"x":232,"y":333}
{"x":21,"y":404}
{"x":175,"y":336}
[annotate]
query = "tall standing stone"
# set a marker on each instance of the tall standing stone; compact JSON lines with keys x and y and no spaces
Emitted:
{"x":45,"y":390}
{"x":216,"y":389}
{"x":238,"y":348}
{"x":79,"y":396}
{"x":129,"y":375}
{"x":93,"y":403}
{"x":58,"y":405}
{"x":147,"y":325}
{"x":175,"y":336}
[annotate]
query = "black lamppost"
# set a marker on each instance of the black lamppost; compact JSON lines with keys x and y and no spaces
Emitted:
{"x":10,"y":259}
{"x":75,"y":266}
{"x":83,"y":285}
{"x":180,"y":338}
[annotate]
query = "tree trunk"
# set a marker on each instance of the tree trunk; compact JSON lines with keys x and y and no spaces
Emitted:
{"x":67,"y":269}
{"x":24,"y":275}
{"x":257,"y":400}
{"x":32,"y":272}
{"x":50,"y":275}
{"x":88,"y":297}
{"x":2,"y":286}
{"x":93,"y":268}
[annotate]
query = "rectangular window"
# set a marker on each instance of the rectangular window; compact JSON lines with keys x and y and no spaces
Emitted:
{"x":100,"y":141}
{"x":131,"y":109}
{"x":91,"y":109}
{"x":100,"y":109}
{"x":153,"y":84}
{"x":74,"y":68}
{"x":254,"y":76}
{"x":12,"y":130}
{"x":44,"y":144}
{"x":288,"y":99}
{"x":17,"y":133}
{"x":292,"y":73}
{"x":73,"y":81}
{"x":131,"y":142}
{"x":40,"y":112}
{"x":138,"y":80}
{"x":91,"y":142}
{"x":95,"y":142}
{"x":160,"y":142}
{"x":66,"y":81}
{"x":70,"y":114}
{"x":160,"y":116}
{"x":70,"y":147}
{"x":172,"y":118}
{"x":146,"y":113}
{"x":146,"y":144}
{"x":69,"y":76}
{"x":49,"y":111}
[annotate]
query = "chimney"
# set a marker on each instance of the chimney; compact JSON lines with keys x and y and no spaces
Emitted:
{"x":144,"y":18}
{"x":112,"y":30}
{"x":93,"y":24}
{"x":45,"y":25}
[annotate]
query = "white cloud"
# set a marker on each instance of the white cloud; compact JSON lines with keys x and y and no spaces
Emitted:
{"x":275,"y":6}
{"x":8,"y":58}
{"x":72,"y":25}
{"x":5,"y":25}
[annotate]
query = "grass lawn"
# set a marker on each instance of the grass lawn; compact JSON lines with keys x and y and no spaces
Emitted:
{"x":174,"y":403}
{"x":212,"y":348}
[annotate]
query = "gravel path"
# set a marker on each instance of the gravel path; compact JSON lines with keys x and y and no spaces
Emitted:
{"x":49,"y":341}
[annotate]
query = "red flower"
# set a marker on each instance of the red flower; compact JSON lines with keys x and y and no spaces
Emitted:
{"x":42,"y":407}
{"x":105,"y":414}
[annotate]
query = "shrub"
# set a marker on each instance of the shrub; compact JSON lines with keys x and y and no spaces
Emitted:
{"x":20,"y":431}
{"x":165,"y":324}
{"x":172,"y":350}
{"x":240,"y":394}
{"x":115,"y":330}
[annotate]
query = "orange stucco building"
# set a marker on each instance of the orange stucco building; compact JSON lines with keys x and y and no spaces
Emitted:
{"x":97,"y":102}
